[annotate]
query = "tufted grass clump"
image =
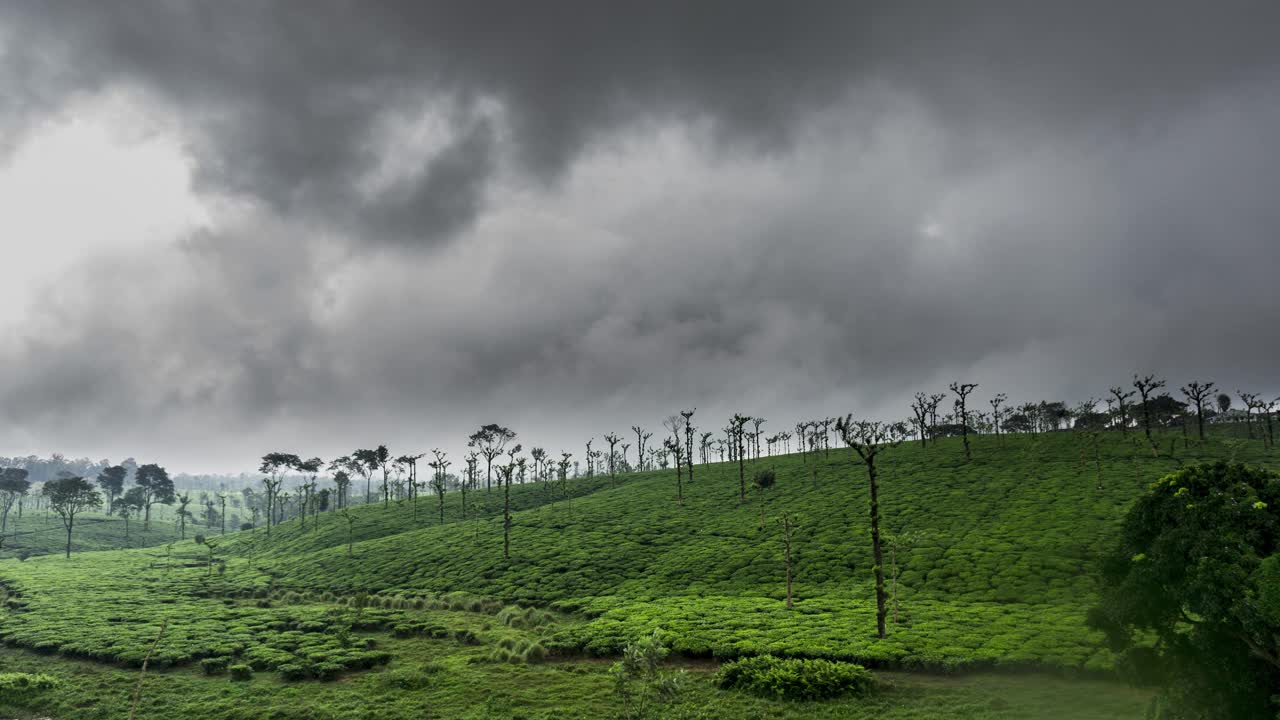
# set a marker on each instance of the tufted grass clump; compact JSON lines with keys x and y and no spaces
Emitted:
{"x":795,"y":678}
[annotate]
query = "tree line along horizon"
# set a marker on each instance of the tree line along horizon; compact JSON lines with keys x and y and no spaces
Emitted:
{"x":1142,"y":406}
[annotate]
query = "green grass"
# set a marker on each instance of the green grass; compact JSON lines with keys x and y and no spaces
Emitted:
{"x":42,"y":533}
{"x":999,"y":575}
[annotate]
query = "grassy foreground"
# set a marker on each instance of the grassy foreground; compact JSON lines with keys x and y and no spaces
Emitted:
{"x":995,"y":570}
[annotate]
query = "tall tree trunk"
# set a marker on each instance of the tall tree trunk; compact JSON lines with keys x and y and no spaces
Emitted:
{"x":876,"y":552}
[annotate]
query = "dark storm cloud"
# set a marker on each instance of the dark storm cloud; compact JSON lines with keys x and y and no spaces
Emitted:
{"x":629,"y":207}
{"x":284,"y":99}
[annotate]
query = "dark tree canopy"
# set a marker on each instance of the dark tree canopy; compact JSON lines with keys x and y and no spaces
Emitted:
{"x":69,"y":496}
{"x":1191,"y":592}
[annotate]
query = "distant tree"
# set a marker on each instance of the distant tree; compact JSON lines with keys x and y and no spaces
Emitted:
{"x":996,"y":402}
{"x":673,"y":447}
{"x":591,"y":466}
{"x":1147,"y":386}
{"x":382,"y":456}
{"x":1122,"y":396}
{"x":129,"y":505}
{"x":934,"y":401}
{"x":704,"y":447}
{"x":274,"y":465}
{"x":410,"y":462}
{"x":920,"y":415}
{"x":762,"y":483}
{"x":1224,"y":403}
{"x":507,"y":471}
{"x":868,"y":439}
{"x":897,"y":541}
{"x":1196,"y":394}
{"x":641,"y":437}
{"x":962,"y":391}
{"x":756,"y":422}
{"x":365,"y":462}
{"x":790,"y":525}
{"x":209,"y":546}
{"x":1089,"y":426}
{"x":1190,"y":595}
{"x":1263,"y":408}
{"x":157,"y":488}
{"x":13,"y":485}
{"x":1248,"y":400}
{"x":563,"y":467}
{"x":111,"y":480}
{"x":68,"y":497}
{"x":737,"y":433}
{"x":490,"y":441}
{"x":342,"y":485}
{"x":473,"y":464}
{"x":674,"y":423}
{"x":613,"y":439}
{"x":351,"y":521}
{"x":341,"y":466}
{"x":801,"y":430}
{"x":183,"y":501}
{"x":688,"y":439}
{"x":439,"y":466}
{"x":309,"y":469}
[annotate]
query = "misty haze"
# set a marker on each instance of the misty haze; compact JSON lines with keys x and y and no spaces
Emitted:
{"x":502,"y":360}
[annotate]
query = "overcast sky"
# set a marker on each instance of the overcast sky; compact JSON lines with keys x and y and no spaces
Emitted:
{"x":234,"y":227}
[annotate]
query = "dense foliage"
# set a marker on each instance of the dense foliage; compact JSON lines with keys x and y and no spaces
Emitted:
{"x":795,"y":679}
{"x":1191,"y":591}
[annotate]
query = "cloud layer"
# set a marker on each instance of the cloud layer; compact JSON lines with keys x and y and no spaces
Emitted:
{"x":419,"y":217}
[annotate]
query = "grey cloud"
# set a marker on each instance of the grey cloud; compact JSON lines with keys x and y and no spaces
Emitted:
{"x":721,"y":207}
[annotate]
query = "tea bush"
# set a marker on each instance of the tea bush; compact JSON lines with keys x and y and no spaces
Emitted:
{"x":795,"y":679}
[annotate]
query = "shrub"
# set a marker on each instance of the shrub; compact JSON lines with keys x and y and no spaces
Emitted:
{"x":293,"y":672}
{"x":214,"y":665}
{"x":16,"y":684}
{"x":795,"y":679}
{"x":240,"y":672}
{"x":466,"y":637}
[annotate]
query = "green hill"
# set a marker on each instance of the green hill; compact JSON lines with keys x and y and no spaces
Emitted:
{"x":994,"y":568}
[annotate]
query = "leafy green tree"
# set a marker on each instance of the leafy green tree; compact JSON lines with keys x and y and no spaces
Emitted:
{"x":157,"y":488}
{"x":13,"y":485}
{"x":111,"y":480}
{"x":1191,"y":593}
{"x":868,"y":439}
{"x":68,"y":497}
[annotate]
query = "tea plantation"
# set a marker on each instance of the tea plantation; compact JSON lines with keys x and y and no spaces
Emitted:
{"x":992,"y":564}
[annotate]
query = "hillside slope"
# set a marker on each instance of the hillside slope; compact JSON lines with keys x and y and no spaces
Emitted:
{"x":994,"y":565}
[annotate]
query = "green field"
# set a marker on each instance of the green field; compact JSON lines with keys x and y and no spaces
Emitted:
{"x":995,"y":572}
